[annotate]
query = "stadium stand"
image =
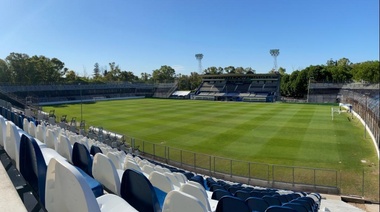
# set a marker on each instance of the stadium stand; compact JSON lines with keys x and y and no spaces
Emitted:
{"x":239,"y":87}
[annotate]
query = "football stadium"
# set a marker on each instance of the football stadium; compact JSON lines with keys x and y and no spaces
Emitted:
{"x":189,"y":106}
{"x":233,"y":136}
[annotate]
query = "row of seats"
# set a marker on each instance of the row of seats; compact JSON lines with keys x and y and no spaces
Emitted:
{"x":38,"y":173}
{"x":92,"y":176}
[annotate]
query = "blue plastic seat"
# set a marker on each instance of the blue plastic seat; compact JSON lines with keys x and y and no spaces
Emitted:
{"x":219,"y":193}
{"x":242,"y":194}
{"x":256,"y":193}
{"x":32,"y":165}
{"x":213,"y":187}
{"x":234,"y":189}
{"x":305,"y":203}
{"x":95,"y":149}
{"x":81,"y":158}
{"x":188,"y":175}
{"x":256,"y":204}
{"x":272,"y":200}
{"x":231,"y":204}
{"x":297,"y":206}
{"x":137,"y":190}
{"x":283,"y":198}
{"x":277,"y":208}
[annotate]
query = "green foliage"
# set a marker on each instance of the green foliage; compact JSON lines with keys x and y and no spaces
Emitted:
{"x":367,"y":71}
{"x":35,"y":69}
{"x":163,"y":75}
{"x":342,"y":70}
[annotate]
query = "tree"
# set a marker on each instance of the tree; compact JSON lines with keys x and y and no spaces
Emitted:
{"x":331,"y":62}
{"x":145,"y":77}
{"x":343,"y":62}
{"x":282,"y":70}
{"x":5,"y":75}
{"x":164,"y":74}
{"x":368,"y":71}
{"x":113,"y":74}
{"x":18,"y":67}
{"x":239,"y":70}
{"x":35,"y":69}
{"x":229,"y":69}
{"x":194,"y":80}
{"x":250,"y":70}
{"x":285,"y":85}
{"x":128,"y":76}
{"x":71,"y":76}
{"x":183,"y":82}
{"x":96,"y":71}
{"x":212,"y":70}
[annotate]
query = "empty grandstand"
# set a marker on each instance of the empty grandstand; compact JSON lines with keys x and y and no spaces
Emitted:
{"x":47,"y":94}
{"x":239,"y":87}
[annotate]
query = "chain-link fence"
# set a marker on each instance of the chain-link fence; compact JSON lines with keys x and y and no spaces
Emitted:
{"x":365,"y":183}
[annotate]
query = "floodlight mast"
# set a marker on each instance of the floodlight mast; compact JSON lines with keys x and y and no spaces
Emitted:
{"x":274,"y":53}
{"x":199,"y":57}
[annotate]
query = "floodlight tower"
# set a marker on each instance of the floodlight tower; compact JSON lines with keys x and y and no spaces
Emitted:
{"x":274,"y":53}
{"x":199,"y":57}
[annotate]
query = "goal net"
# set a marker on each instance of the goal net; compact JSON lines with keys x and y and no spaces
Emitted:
{"x":334,"y":110}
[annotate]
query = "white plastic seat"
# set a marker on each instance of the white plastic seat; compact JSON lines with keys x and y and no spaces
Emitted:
{"x":12,"y":142}
{"x":147,"y":169}
{"x":115,"y":160}
{"x":160,"y":181}
{"x":32,"y":129}
{"x":173,"y":179}
{"x":200,"y":194}
{"x":132,"y":165}
{"x":181,"y":177}
{"x":159,"y":169}
{"x":64,"y":147}
{"x":40,"y":133}
{"x":67,"y":190}
{"x":51,"y":139}
{"x":106,"y":173}
{"x":180,"y":201}
{"x":25,"y":125}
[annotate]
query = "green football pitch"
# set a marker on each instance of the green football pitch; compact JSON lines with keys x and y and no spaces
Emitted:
{"x":273,"y":133}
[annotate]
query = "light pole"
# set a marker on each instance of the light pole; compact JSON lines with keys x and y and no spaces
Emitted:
{"x":308,"y":90}
{"x":81,"y":101}
{"x":274,"y":53}
{"x":365,"y":115}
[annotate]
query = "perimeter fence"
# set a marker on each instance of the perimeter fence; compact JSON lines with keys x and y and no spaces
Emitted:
{"x":363,"y":183}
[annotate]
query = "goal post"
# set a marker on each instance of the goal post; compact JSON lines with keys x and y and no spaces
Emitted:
{"x":334,"y":110}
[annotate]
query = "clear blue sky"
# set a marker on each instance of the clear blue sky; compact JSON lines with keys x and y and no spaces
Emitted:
{"x":142,"y":35}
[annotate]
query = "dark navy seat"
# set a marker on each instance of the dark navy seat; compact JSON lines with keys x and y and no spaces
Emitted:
{"x":242,"y":194}
{"x":95,"y":149}
{"x":272,"y":200}
{"x":137,"y":190}
{"x":219,"y":193}
{"x":231,"y":204}
{"x":188,"y":175}
{"x":81,"y":158}
{"x":32,"y":165}
{"x":296,"y":206}
{"x":278,"y":208}
{"x":256,"y":204}
{"x":213,"y":187}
